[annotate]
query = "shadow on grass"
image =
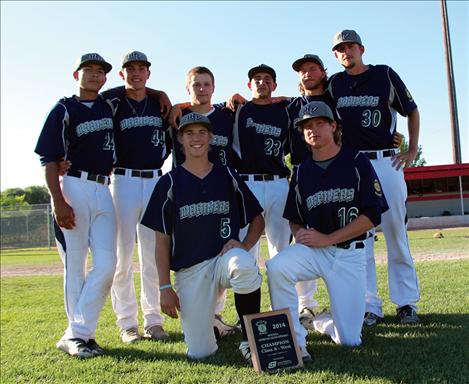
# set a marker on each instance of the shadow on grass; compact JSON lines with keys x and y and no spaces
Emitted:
{"x":433,"y":351}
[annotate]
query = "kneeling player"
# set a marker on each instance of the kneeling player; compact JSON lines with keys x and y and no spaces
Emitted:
{"x":197,"y":210}
{"x":334,"y":199}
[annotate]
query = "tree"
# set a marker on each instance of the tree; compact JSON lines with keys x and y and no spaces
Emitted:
{"x":419,"y":160}
{"x":37,"y":195}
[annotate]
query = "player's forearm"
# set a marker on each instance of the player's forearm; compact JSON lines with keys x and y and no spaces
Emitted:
{"x":162,"y":256}
{"x":353,"y":229}
{"x":294,"y":228}
{"x":413,"y":125}
{"x":256,"y":226}
{"x":52,"y":181}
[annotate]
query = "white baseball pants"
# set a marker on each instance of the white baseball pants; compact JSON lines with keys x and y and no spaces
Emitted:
{"x":95,"y":228}
{"x":197,"y":288}
{"x":402,"y":277}
{"x":343,"y":271}
{"x":131,"y":196}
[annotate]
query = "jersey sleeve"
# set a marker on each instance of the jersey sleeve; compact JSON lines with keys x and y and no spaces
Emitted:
{"x":249,"y":206}
{"x":371,"y":196}
{"x":51,"y":144}
{"x":159,"y":214}
{"x":293,"y":207}
{"x":402,"y":100}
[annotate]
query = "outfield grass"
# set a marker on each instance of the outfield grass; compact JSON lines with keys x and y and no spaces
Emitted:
{"x":455,"y":241}
{"x":435,"y":351}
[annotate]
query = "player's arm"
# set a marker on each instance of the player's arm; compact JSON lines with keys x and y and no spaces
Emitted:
{"x":312,"y":238}
{"x":163,"y":99}
{"x":169,"y":300}
{"x":234,"y":100}
{"x":63,"y":212}
{"x":404,"y":159}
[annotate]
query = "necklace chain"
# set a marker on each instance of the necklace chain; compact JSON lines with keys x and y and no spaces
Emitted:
{"x":134,"y":110}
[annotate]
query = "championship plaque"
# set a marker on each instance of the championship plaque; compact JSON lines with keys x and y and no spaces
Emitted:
{"x":272,"y":341}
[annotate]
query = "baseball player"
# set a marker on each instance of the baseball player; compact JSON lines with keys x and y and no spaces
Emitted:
{"x":368,"y":98}
{"x":260,"y":141}
{"x":200,"y":85}
{"x":142,"y":144}
{"x":334,"y":199}
{"x":79,"y":129}
{"x":197,"y":210}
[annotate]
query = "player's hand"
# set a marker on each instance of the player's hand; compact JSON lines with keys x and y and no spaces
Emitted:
{"x":312,"y":238}
{"x":64,"y":214}
{"x":397,"y":139}
{"x":63,"y":166}
{"x":234,"y":100}
{"x":169,"y":302}
{"x":279,"y":99}
{"x":232,"y":243}
{"x":403,"y":159}
{"x":174,"y":115}
{"x":165,"y":103}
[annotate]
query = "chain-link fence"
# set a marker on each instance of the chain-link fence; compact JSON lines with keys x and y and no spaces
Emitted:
{"x":27,"y":226}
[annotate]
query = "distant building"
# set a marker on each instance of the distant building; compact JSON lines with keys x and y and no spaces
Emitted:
{"x":440,"y":190}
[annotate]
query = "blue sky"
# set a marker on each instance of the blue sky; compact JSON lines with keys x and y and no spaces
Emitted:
{"x":40,"y":42}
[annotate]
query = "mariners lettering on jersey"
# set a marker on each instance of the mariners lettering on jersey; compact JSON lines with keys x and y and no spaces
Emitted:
{"x":141,"y":121}
{"x":264,"y":129}
{"x":94,"y":126}
{"x":357,"y":101}
{"x":219,"y":141}
{"x":216,"y":207}
{"x":330,"y":196}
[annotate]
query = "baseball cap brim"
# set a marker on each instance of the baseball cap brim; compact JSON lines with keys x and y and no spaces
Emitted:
{"x":184,"y":125}
{"x":262,"y":69}
{"x":147,"y":63}
{"x":298,"y":63}
{"x":106,"y":66}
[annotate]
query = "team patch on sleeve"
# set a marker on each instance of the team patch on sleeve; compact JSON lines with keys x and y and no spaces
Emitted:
{"x":409,"y":96}
{"x":377,"y":187}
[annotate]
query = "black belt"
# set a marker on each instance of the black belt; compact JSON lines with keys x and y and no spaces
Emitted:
{"x":101,"y":179}
{"x":358,"y":245}
{"x":139,"y":173}
{"x":261,"y":177}
{"x":385,"y":153}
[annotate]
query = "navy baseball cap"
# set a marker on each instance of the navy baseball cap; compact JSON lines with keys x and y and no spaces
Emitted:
{"x":346,"y":36}
{"x":307,"y":58}
{"x":262,"y":68}
{"x":194,"y":118}
{"x":134,"y":56}
{"x":312,"y":110}
{"x":92,"y":58}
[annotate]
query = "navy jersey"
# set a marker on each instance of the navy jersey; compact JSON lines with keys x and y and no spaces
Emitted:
{"x":81,"y":133}
{"x":200,"y":215}
{"x":260,"y":138}
{"x":298,"y":147}
{"x":367,"y":105}
{"x":141,"y":134}
{"x":329,"y":199}
{"x":221,"y":151}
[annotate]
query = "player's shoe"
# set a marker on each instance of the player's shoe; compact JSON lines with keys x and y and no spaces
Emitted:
{"x":156,"y":332}
{"x":221,"y":329}
{"x":130,"y":335}
{"x":371,"y":319}
{"x":246,"y":351}
{"x":305,"y":356}
{"x":407,"y":315}
{"x":75,"y":347}
{"x":307,"y":317}
{"x":94,"y":347}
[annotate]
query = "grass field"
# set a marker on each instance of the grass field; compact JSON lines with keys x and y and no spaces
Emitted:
{"x":434,"y":351}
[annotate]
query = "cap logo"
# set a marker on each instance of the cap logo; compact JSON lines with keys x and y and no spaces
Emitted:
{"x":311,"y":110}
{"x":345,"y":35}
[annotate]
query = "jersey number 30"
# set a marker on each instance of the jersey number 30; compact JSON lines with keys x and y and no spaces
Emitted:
{"x":372,"y":118}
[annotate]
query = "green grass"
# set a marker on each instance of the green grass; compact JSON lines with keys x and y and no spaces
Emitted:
{"x":421,"y":242}
{"x":435,"y":351}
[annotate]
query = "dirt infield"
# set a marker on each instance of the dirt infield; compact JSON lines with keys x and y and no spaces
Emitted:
{"x":57,"y":269}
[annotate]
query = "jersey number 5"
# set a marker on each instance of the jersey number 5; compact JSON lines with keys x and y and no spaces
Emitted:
{"x":225,"y":229}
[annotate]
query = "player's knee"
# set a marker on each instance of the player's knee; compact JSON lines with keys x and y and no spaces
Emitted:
{"x":275,"y":268}
{"x":245,"y":276}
